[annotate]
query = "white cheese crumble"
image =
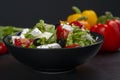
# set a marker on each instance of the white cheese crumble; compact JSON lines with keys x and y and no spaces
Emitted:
{"x":47,"y":35}
{"x":53,"y":45}
{"x":67,"y":27}
{"x":24,"y":31}
{"x":89,"y":37}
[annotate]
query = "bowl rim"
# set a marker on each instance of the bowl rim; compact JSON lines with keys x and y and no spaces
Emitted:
{"x":98,"y":42}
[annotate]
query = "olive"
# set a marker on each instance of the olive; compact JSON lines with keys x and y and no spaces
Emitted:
{"x":17,"y":33}
{"x":36,"y":42}
{"x":62,"y":42}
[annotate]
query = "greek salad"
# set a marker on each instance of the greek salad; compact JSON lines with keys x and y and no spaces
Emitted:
{"x":43,"y":35}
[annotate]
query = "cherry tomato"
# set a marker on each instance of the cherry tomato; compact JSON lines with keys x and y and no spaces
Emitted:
{"x":3,"y":48}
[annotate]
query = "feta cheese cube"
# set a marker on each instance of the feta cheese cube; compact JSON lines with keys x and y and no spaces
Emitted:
{"x":47,"y":35}
{"x":36,"y":32}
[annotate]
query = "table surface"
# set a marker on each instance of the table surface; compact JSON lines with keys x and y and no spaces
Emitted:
{"x":101,"y":67}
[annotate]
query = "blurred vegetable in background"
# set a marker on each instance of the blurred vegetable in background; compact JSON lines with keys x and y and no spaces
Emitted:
{"x":89,"y":14}
{"x":107,"y":16}
{"x":75,"y":16}
{"x":109,"y":27}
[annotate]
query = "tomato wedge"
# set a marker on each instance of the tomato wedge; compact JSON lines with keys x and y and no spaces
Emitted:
{"x":72,"y":46}
{"x":62,"y":33}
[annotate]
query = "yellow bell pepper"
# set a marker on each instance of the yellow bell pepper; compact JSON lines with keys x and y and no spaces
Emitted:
{"x":90,"y":14}
{"x":75,"y":16}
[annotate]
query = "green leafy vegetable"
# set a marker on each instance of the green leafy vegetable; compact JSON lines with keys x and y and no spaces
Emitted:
{"x":79,"y":36}
{"x":29,"y":36}
{"x":40,"y":25}
{"x":6,"y":30}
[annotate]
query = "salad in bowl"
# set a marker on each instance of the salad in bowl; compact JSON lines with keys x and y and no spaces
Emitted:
{"x":54,"y":48}
{"x":43,"y":35}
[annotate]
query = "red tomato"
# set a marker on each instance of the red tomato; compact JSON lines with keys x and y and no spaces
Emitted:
{"x":61,"y":33}
{"x":23,"y":42}
{"x":76,"y":23}
{"x":111,"y":34}
{"x":73,"y":46}
{"x":3,"y":48}
{"x":17,"y":42}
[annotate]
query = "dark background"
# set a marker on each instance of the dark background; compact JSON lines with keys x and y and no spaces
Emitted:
{"x":25,"y":13}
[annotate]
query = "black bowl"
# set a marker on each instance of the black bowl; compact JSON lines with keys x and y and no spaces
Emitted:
{"x":54,"y":60}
